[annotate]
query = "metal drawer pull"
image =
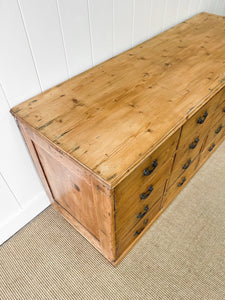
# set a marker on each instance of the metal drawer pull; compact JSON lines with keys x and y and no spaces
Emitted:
{"x":211,"y":147}
{"x":154,"y":165}
{"x":140,"y":215}
{"x":219,"y":129}
{"x":201,"y":120}
{"x":140,"y":231}
{"x":224,"y":109}
{"x":146,"y":194}
{"x":182,"y":182}
{"x":194,"y":144}
{"x":185,"y":166}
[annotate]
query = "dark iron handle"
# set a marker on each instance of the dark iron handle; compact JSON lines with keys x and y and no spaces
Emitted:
{"x":185,"y":166}
{"x":211,"y":147}
{"x":224,"y":109}
{"x":201,"y":120}
{"x":194,"y":144}
{"x":141,"y":215}
{"x":146,"y":194}
{"x":219,"y":129}
{"x":147,"y":172}
{"x":140,"y":231}
{"x":182,"y":182}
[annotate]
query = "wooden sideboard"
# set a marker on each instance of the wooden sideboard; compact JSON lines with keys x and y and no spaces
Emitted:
{"x":115,"y":145}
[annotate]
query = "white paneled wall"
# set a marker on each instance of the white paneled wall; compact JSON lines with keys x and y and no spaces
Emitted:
{"x":141,"y":21}
{"x":44,"y":42}
{"x":122,"y":25}
{"x":75,"y":26}
{"x":42,"y":24}
{"x":101,"y":29}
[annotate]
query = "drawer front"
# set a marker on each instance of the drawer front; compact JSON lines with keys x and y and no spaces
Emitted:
{"x":216,"y":133}
{"x":211,"y":147}
{"x":144,"y":173}
{"x":124,"y":240}
{"x":182,"y":162}
{"x":198,"y":125}
{"x":219,"y":113}
{"x":180,"y":182}
{"x":212,"y":143}
{"x":141,"y":203}
{"x":220,"y":106}
{"x":193,"y":143}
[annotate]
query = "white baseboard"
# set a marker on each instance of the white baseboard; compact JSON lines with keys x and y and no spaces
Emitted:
{"x":25,"y":215}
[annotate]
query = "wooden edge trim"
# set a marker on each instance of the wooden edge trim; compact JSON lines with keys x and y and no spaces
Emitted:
{"x":104,"y":204}
{"x":35,"y":158}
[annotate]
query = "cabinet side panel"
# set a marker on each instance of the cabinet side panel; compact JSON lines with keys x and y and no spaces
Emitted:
{"x":71,"y":189}
{"x":34,"y":144}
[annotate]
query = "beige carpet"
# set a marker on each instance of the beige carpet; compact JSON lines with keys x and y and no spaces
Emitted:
{"x":182,"y":256}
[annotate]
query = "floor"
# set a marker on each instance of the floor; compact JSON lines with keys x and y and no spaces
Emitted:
{"x":182,"y":256}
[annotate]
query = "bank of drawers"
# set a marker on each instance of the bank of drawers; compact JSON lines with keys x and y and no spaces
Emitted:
{"x":194,"y":134}
{"x":199,"y":138}
{"x":140,"y":205}
{"x":138,"y":197}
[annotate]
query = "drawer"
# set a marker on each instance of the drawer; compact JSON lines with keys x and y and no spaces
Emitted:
{"x":220,"y":111}
{"x":144,"y":173}
{"x":215,"y":134}
{"x":210,"y":148}
{"x":138,"y":206}
{"x":182,"y":162}
{"x":193,"y":145}
{"x":180,"y":182}
{"x":207,"y":152}
{"x":220,"y":106}
{"x":199,"y":124}
{"x":126,"y":238}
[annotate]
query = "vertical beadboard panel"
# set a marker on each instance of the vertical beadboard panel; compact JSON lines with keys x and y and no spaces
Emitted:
{"x":42,"y":23}
{"x":4,"y":106}
{"x":76,"y":32}
{"x":193,"y":7}
{"x":183,"y":10}
{"x":17,"y":71}
{"x":101,"y":27}
{"x":141,"y":21}
{"x":15,"y":163}
{"x":11,"y":206}
{"x":123,"y":22}
{"x":219,"y":7}
{"x":205,"y":4}
{"x":212,"y":6}
{"x":156,"y":16}
{"x":170,"y":14}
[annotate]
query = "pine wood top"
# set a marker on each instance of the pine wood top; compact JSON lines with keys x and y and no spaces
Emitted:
{"x":111,"y":117}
